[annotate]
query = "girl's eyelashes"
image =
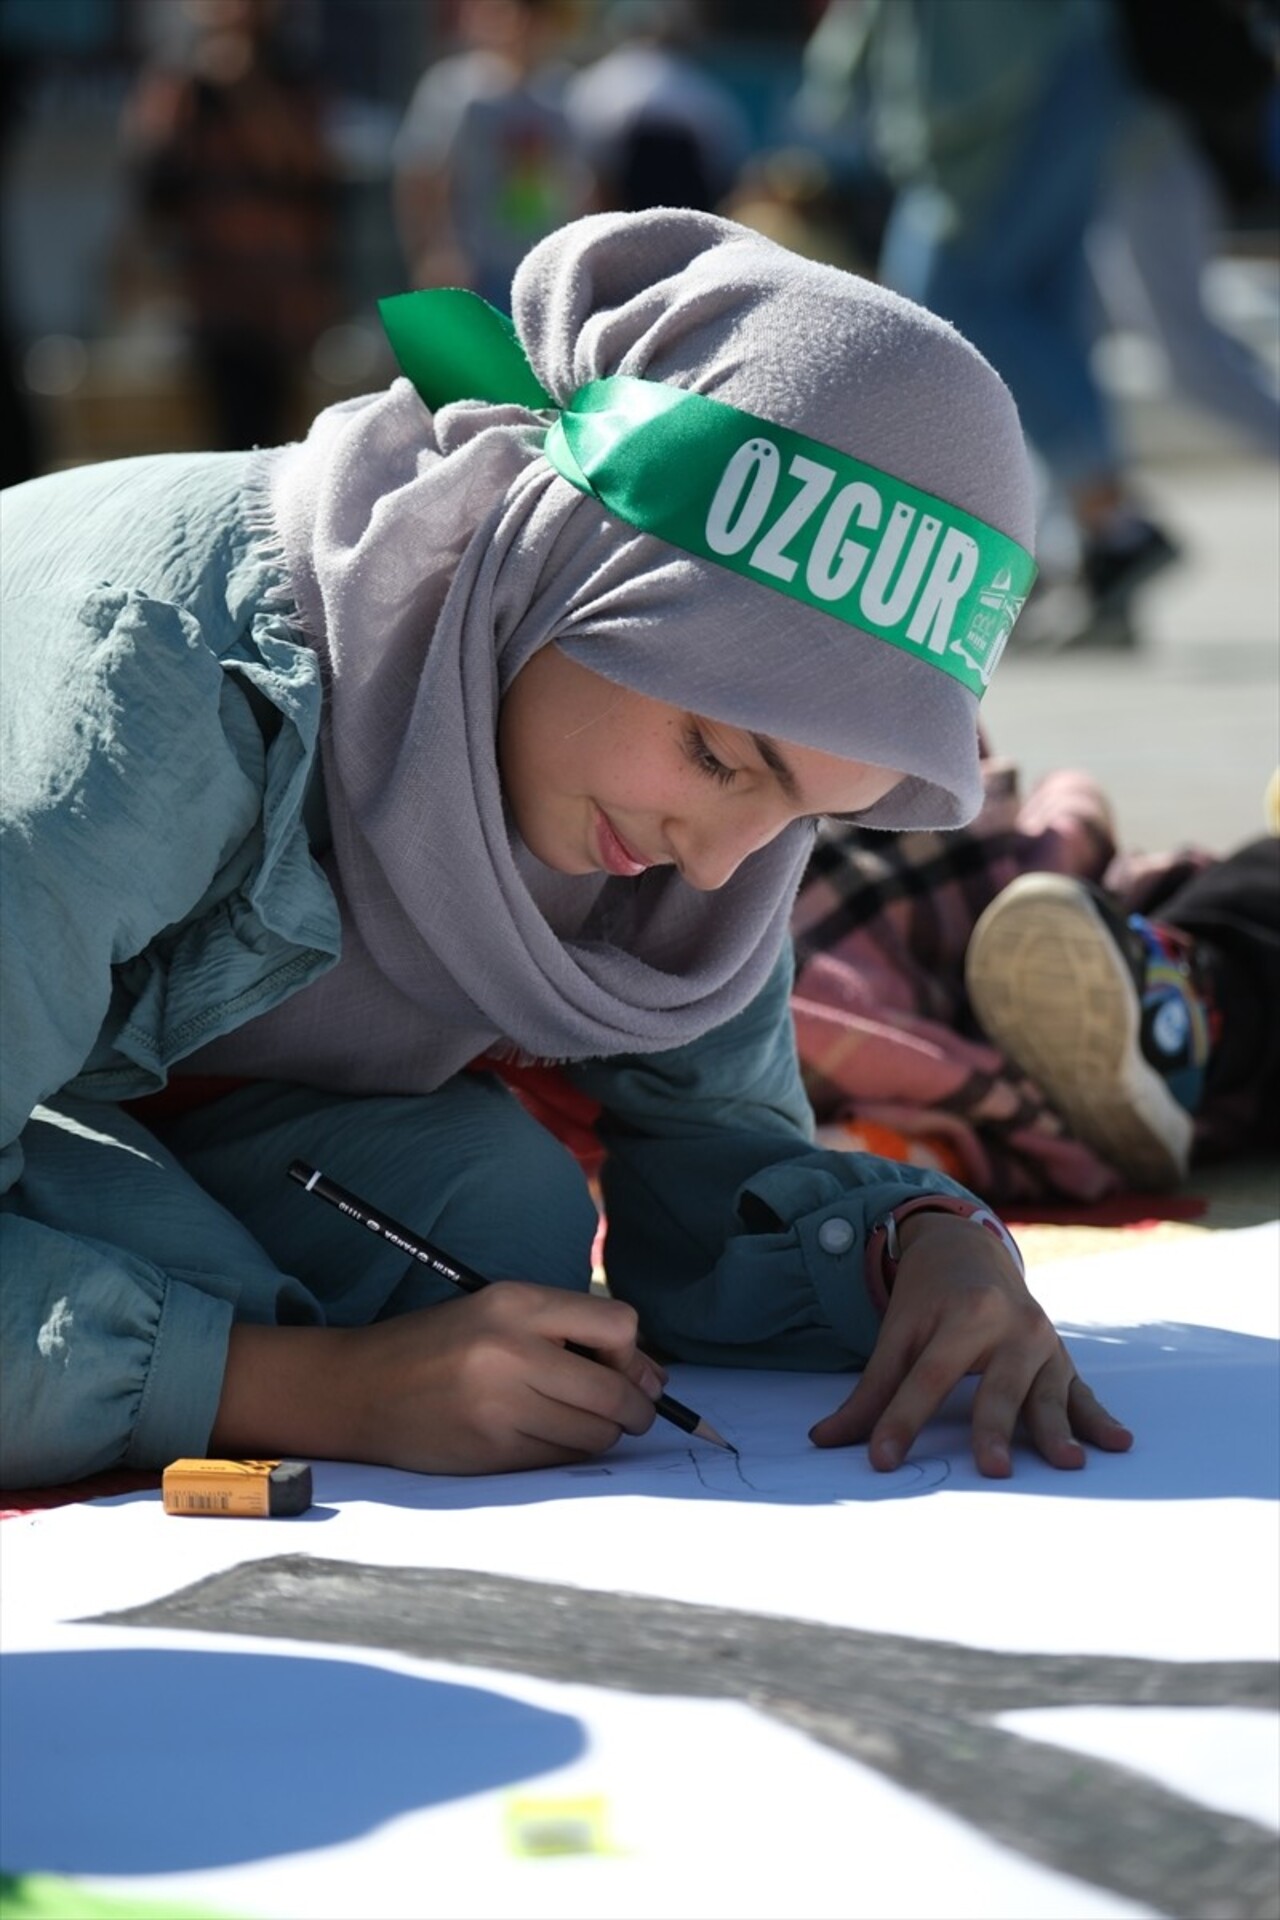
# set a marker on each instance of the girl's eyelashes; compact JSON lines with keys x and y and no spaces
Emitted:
{"x":697,"y":750}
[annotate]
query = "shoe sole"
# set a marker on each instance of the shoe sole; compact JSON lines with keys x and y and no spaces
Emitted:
{"x":1051,"y":990}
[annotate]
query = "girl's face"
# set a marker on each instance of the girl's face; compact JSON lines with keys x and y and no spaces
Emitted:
{"x":602,"y":780}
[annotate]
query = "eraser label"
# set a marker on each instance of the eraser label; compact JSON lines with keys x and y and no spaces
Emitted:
{"x":230,"y":1489}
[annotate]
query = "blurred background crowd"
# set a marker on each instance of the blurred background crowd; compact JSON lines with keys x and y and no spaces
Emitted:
{"x":203,"y":199}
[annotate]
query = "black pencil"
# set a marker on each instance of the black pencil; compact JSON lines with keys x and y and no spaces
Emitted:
{"x":465,"y":1278}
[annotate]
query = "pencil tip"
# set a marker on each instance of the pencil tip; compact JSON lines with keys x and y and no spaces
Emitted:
{"x":707,"y":1432}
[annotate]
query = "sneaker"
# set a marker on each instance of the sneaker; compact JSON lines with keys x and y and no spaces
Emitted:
{"x":1114,"y":565}
{"x":1102,"y":1013}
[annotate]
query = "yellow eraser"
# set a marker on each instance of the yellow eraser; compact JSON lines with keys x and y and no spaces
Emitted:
{"x":237,"y":1489}
{"x":539,"y":1828}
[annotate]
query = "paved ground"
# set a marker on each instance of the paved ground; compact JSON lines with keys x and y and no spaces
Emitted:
{"x":1184,"y":731}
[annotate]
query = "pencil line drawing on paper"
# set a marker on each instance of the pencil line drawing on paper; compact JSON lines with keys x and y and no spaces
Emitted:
{"x":770,"y":1456}
{"x":816,"y":1473}
{"x":829,"y":1471}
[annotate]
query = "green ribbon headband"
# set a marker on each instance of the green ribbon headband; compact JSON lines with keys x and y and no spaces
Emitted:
{"x":764,"y":502}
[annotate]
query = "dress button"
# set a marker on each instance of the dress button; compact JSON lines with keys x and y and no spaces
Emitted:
{"x":836,"y":1236}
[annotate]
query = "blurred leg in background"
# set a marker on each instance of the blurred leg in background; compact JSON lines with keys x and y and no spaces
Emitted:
{"x":1016,"y":279}
{"x":1151,"y":253}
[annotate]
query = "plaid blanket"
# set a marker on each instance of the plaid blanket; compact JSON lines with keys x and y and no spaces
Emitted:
{"x":891,"y":1053}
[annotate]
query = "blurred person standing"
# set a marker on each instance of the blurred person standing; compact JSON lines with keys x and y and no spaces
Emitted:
{"x":996,"y":120}
{"x":238,"y":186}
{"x":486,"y":163}
{"x":658,"y":129}
{"x":1197,"y":154}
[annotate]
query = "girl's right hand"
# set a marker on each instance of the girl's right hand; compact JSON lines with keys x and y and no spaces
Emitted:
{"x":481,"y":1384}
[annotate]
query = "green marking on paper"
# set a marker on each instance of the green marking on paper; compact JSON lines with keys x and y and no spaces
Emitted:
{"x":46,"y":1896}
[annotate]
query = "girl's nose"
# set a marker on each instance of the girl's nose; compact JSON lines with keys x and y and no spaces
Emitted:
{"x":710,"y":853}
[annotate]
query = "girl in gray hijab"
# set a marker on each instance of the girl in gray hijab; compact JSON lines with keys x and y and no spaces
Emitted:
{"x":491,"y":724}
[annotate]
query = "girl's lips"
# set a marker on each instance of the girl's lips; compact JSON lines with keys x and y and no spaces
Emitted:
{"x":616,"y":856}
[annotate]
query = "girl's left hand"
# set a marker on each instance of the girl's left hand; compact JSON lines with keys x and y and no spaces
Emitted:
{"x":960,"y":1306}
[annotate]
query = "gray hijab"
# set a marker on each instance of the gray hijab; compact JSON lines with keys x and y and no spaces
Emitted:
{"x":431,"y":554}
